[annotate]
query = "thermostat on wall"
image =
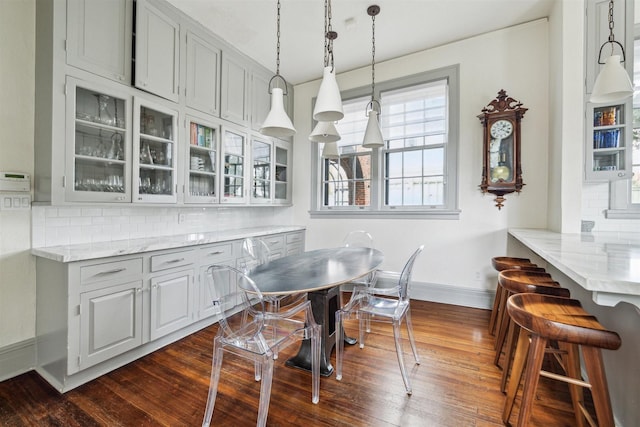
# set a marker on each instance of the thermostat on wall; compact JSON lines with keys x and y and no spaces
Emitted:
{"x":14,"y":182}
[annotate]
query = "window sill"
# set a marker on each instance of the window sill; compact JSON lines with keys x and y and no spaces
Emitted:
{"x":622,"y":214}
{"x":386,"y":214}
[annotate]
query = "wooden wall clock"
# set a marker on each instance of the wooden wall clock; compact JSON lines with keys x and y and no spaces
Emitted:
{"x":501,"y":169}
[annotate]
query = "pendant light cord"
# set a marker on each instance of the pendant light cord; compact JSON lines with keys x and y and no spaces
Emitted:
{"x":373,"y":57}
{"x":278,"y":41}
{"x":330,"y":35}
{"x":611,"y":37}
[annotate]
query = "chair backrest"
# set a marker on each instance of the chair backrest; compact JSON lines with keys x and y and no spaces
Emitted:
{"x":236,"y":299}
{"x":405,"y":276}
{"x":358,"y":239}
{"x":255,"y":251}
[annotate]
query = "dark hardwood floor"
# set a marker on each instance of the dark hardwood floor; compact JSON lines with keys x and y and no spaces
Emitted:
{"x":455,"y":385}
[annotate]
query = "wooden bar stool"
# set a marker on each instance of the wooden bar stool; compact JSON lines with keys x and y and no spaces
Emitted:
{"x":500,"y":263}
{"x":543,"y":318}
{"x":524,"y":276}
{"x":516,"y":282}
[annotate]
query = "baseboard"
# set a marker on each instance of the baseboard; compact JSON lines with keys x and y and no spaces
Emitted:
{"x":18,"y":358}
{"x":455,"y":295}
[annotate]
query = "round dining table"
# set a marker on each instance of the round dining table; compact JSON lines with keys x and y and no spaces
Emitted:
{"x":319,"y":273}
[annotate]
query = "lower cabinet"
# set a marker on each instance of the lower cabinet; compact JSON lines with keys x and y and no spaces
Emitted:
{"x":96,"y":315}
{"x":172,"y":303}
{"x":110,"y":322}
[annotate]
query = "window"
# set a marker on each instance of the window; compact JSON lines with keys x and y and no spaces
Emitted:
{"x":415,"y":172}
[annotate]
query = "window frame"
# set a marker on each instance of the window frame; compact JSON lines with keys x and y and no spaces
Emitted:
{"x":377,"y":209}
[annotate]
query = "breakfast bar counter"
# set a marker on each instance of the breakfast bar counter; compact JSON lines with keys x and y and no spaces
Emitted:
{"x":607,"y":264}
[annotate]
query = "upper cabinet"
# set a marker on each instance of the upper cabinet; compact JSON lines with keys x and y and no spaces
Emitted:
{"x":234,"y":166}
{"x":203,"y":75}
{"x":282,"y":176}
{"x":201,"y":181}
{"x":88,"y":21}
{"x":608,"y":127}
{"x":260,"y":98}
{"x":235,"y":89}
{"x":157,"y":55}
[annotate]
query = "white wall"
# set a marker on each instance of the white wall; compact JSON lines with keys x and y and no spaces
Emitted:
{"x":17,"y":267}
{"x":457,"y":252}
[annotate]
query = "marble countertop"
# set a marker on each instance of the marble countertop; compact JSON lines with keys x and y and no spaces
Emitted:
{"x":80,"y":252}
{"x":605,"y":263}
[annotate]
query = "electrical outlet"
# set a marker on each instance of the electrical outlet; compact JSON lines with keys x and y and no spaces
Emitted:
{"x":181,"y":218}
{"x":478,"y":278}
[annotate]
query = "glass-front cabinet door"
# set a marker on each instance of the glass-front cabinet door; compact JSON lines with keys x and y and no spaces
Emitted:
{"x":234,"y":160}
{"x":262,"y":172}
{"x":609,"y":141}
{"x":282,"y":184}
{"x":155,"y":152}
{"x":202,"y":161}
{"x":98,"y":142}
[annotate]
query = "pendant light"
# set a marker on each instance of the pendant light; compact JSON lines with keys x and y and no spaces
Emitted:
{"x":373,"y":134}
{"x":324,"y":132}
{"x":328,"y":106}
{"x":613,"y":83}
{"x":330,"y":151}
{"x":277,"y":123}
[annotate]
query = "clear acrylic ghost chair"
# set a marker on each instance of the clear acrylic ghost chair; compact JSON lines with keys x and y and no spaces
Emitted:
{"x":357,"y":239}
{"x":389,"y":305}
{"x":246,"y":329}
{"x":257,"y":252}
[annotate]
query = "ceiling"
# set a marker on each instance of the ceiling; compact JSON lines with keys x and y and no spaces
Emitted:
{"x":402,"y":27}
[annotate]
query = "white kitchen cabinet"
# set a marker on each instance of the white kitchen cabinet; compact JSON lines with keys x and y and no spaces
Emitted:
{"x":261,"y":169}
{"x":157,"y":55}
{"x":172,"y":302}
{"x":98,"y":143}
{"x":202,"y":161}
{"x":234,"y":147}
{"x":202,"y":75}
{"x":235,"y":86}
{"x":294,"y":242}
{"x":155,"y":163}
{"x":609,"y":142}
{"x":260,"y":97}
{"x":110,"y":322}
{"x":282,"y":178}
{"x":99,"y":37}
{"x":215,"y":254}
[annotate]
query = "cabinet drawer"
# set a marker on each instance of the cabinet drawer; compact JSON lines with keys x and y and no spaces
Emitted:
{"x":295,"y":238}
{"x":115,"y":270}
{"x":217,"y":253}
{"x":275,"y":243}
{"x":171,"y":260}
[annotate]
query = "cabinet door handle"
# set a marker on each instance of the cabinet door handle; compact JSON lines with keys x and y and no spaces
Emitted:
{"x":115,"y":270}
{"x":173,"y":261}
{"x":216,"y":253}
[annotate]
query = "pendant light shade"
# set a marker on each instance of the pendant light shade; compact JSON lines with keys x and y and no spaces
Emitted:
{"x":613,"y":83}
{"x":328,"y":106}
{"x":373,"y":134}
{"x":324,"y":132}
{"x":277,"y":123}
{"x":330,"y":151}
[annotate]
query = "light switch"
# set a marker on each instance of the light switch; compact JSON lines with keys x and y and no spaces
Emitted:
{"x":26,"y":201}
{"x":16,"y":202}
{"x":6,"y":202}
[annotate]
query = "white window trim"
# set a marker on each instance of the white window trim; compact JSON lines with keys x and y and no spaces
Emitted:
{"x":450,"y":209}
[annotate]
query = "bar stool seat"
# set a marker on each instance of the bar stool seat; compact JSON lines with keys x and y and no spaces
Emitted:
{"x":516,"y":282}
{"x":543,"y":318}
{"x":500,"y":263}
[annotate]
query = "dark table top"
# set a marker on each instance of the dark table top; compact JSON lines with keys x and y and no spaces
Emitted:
{"x":315,"y":270}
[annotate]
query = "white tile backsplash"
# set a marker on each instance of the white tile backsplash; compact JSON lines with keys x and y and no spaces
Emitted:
{"x":53,"y":226}
{"x":595,"y":201}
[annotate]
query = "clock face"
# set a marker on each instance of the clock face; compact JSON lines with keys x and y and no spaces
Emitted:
{"x":501,"y":129}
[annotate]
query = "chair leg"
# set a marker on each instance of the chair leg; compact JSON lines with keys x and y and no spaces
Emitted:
{"x":571,"y":361}
{"x":531,"y":378}
{"x":339,"y":345}
{"x":411,"y":338}
{"x":265,"y":390}
{"x":501,"y":316}
{"x":216,"y":366}
{"x":398,"y":339}
{"x":594,"y":366}
{"x":316,"y":348}
{"x":494,"y":311}
{"x":517,"y":367}
{"x":363,"y":321}
{"x":512,"y":336}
